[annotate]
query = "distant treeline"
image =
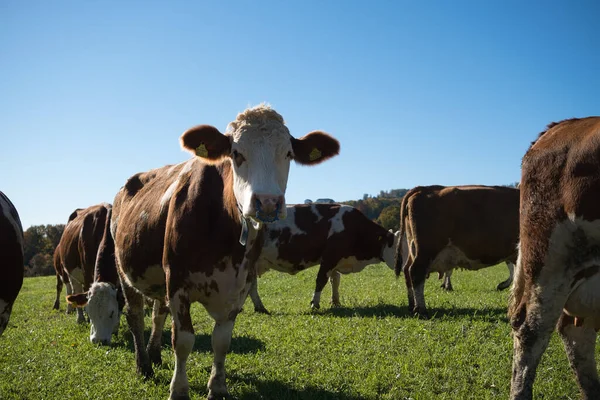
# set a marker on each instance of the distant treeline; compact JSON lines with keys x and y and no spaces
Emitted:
{"x":383,"y":208}
{"x":40,"y":242}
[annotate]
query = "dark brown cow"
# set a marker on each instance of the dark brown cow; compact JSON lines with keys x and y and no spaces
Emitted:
{"x":11,"y":247}
{"x":470,"y":227}
{"x":557,"y":279}
{"x":75,"y":255}
{"x":191,"y":232}
{"x":339,"y":238}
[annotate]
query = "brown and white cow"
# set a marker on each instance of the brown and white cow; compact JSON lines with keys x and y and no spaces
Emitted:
{"x":191,"y":232}
{"x":340,"y":238}
{"x":104,"y":299}
{"x":471,"y":227}
{"x":557,"y":279}
{"x":11,"y":253}
{"x":75,"y":255}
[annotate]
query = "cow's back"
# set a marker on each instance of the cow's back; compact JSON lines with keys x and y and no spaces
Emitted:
{"x":482,"y":221}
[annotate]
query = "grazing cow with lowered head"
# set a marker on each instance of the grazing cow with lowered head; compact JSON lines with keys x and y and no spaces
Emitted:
{"x":340,"y":238}
{"x":11,"y":245}
{"x":191,"y":232}
{"x":75,"y":255}
{"x":471,"y":227}
{"x":104,"y":299}
{"x":557,"y":279}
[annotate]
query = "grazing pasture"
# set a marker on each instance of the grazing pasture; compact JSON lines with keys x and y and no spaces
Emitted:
{"x":369,"y":349}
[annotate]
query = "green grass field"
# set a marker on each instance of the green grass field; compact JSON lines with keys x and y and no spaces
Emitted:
{"x":368,"y":349}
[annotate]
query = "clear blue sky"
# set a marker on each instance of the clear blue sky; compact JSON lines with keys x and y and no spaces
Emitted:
{"x":417,"y":92}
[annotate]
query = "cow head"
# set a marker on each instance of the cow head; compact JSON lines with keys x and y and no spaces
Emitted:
{"x":103,"y":308}
{"x":260,"y":148}
{"x":389,"y":250}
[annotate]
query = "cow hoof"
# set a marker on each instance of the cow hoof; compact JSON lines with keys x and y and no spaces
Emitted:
{"x":175,"y":396}
{"x":145,"y":371}
{"x":56,"y":306}
{"x":502,"y":286}
{"x":155,"y":356}
{"x":336,"y":304}
{"x":421,"y":314}
{"x":261,"y":310}
{"x":218,"y":396}
{"x":314,"y":306}
{"x":447,"y":288}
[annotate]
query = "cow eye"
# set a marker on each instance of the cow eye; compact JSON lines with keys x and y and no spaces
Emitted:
{"x":238,"y":158}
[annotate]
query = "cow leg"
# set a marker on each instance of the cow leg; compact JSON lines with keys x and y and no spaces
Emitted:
{"x":409,"y":290}
{"x":159,"y":315}
{"x":511,"y":274}
{"x":334,"y":278}
{"x":418,"y":274}
{"x":320,"y":284}
{"x":134,"y":313}
{"x":183,"y":339}
{"x":59,"y":286}
{"x":580,"y":344}
{"x":259,"y":307}
{"x":221,"y":340}
{"x":78,"y":288}
{"x":69,"y":289}
{"x":447,"y":283}
{"x":531,"y":334}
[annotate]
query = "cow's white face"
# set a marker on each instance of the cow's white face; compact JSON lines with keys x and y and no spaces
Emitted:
{"x":261,"y":165}
{"x":260,"y":148}
{"x":103,"y":310}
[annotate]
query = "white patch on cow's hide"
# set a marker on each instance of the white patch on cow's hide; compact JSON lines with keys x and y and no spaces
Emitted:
{"x":337,"y":223}
{"x":166,"y":197}
{"x":153,"y":276}
{"x":144,"y":215}
{"x":450,"y":257}
{"x":389,"y":252}
{"x":315,"y":211}
{"x":15,"y":223}
{"x":76,"y":275}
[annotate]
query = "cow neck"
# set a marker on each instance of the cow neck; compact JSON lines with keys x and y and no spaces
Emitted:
{"x":230,"y":201}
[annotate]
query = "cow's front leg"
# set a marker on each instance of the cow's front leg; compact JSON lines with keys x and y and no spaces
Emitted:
{"x":259,"y":307}
{"x":334,"y":278}
{"x":315,"y":303}
{"x":182,"y":338}
{"x":511,"y":273}
{"x":221,"y":340}
{"x":78,"y":288}
{"x":134,"y":313}
{"x":159,"y":315}
{"x":580,"y":344}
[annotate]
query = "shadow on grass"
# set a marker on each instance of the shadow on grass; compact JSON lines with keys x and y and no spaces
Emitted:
{"x":258,"y":389}
{"x":388,"y":310}
{"x":202,"y":344}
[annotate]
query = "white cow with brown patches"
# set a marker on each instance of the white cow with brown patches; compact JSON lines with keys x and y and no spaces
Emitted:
{"x":557,"y":278}
{"x":200,"y":233}
{"x":339,"y":238}
{"x":11,"y":264}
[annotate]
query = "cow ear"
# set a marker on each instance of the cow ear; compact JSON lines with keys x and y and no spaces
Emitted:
{"x":314,"y":148}
{"x":206,"y":142}
{"x":77,"y":300}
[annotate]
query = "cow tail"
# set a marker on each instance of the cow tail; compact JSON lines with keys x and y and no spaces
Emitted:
{"x":105,"y":268}
{"x":402,"y":230}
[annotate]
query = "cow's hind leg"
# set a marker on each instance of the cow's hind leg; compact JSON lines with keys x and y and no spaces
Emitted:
{"x":78,"y":288}
{"x":511,"y":272}
{"x":417,"y":274}
{"x":159,"y":314}
{"x":334,"y":278}
{"x":59,"y":286}
{"x":134,"y":313}
{"x":580,"y":344}
{"x":446,"y":282}
{"x":183,"y":339}
{"x":259,"y":307}
{"x":533,"y":324}
{"x":320,"y":284}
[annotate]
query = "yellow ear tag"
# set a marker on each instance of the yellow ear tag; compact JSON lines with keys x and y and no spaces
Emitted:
{"x":201,"y":150}
{"x":315,"y":154}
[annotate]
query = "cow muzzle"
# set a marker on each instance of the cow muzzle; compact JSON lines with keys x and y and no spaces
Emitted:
{"x":268,"y":208}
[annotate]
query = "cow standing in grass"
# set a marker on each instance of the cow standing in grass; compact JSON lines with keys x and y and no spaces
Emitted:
{"x":75,"y":255}
{"x":471,"y":227}
{"x":192,"y":232}
{"x":340,"y":238}
{"x":11,"y":253}
{"x":557,"y":279}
